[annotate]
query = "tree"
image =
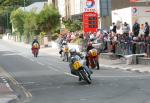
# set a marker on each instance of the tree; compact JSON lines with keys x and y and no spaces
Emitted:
{"x":6,"y":7}
{"x":30,"y":25}
{"x":48,"y":19}
{"x":17,"y":19}
{"x":73,"y":25}
{"x":14,"y":3}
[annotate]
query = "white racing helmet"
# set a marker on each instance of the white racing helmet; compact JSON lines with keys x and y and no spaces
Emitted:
{"x":72,"y":51}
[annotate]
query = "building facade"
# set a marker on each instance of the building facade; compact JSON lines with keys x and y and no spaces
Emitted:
{"x":119,"y":4}
{"x":74,"y":8}
{"x":106,"y":21}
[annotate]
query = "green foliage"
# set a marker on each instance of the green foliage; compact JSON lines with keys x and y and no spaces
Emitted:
{"x":17,"y":19}
{"x":55,"y":36}
{"x":6,"y":7}
{"x":14,"y":2}
{"x":48,"y":19}
{"x":30,"y":23}
{"x":73,"y":25}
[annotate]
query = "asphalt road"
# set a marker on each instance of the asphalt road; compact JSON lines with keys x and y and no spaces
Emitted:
{"x":47,"y":79}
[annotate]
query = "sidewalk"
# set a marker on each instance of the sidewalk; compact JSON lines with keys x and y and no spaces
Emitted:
{"x":6,"y":93}
{"x":118,"y":64}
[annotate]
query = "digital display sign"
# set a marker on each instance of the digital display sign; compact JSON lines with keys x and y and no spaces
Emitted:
{"x":90,"y":22}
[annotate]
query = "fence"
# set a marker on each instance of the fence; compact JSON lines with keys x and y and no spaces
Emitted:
{"x":125,"y":48}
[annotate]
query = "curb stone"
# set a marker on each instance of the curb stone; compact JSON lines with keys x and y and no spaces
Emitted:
{"x":124,"y":68}
{"x":9,"y":99}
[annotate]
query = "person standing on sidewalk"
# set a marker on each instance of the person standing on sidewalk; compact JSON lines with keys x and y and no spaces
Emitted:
{"x":114,"y":29}
{"x":125,"y":29}
{"x":136,"y":29}
{"x":146,"y":29}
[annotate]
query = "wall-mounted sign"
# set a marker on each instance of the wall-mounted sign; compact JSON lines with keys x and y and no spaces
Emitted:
{"x":139,"y":0}
{"x":89,"y":6}
{"x":90,"y":22}
{"x":134,"y":10}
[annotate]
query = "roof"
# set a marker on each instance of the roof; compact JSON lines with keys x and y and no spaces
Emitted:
{"x":37,"y":6}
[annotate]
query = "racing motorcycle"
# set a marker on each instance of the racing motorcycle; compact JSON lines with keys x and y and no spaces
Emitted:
{"x":92,"y":59}
{"x":65,"y":53}
{"x":80,"y":69}
{"x":35,"y":49}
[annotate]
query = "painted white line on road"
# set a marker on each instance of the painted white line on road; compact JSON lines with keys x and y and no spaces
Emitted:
{"x":40,"y":63}
{"x":31,"y":60}
{"x":70,"y":74}
{"x":27,"y":83}
{"x":9,"y":54}
{"x":8,"y":86}
{"x":25,"y":57}
{"x":137,"y":76}
{"x":2,"y":77}
{"x":5,"y":81}
{"x":53,"y":68}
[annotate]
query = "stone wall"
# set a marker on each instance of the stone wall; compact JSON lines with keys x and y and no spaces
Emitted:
{"x":143,"y":60}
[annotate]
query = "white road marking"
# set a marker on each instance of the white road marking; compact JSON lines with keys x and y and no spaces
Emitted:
{"x":136,"y":76}
{"x":40,"y":63}
{"x":5,"y":81}
{"x":10,"y":54}
{"x":1,"y":77}
{"x":53,"y":68}
{"x":31,"y":60}
{"x":70,"y":74}
{"x":27,"y":83}
{"x":83,"y":99}
{"x":25,"y":57}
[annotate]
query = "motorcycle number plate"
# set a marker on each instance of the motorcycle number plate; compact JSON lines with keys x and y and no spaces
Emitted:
{"x":94,"y":53}
{"x":66,"y":49}
{"x":35,"y":45}
{"x":77,"y":65}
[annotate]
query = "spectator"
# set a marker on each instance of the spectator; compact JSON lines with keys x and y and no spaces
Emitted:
{"x":134,"y":45}
{"x":136,"y":29}
{"x":114,"y":29}
{"x":126,"y":29}
{"x":146,"y":29}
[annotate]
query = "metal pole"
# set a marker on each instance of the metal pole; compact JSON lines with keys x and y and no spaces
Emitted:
{"x":7,"y":25}
{"x":24,"y":5}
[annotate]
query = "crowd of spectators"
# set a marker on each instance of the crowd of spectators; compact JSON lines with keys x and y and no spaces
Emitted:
{"x":128,"y":42}
{"x":121,"y":44}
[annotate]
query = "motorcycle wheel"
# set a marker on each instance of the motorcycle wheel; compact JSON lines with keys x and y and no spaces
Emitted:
{"x":97,"y":64}
{"x":35,"y":53}
{"x":85,"y":76}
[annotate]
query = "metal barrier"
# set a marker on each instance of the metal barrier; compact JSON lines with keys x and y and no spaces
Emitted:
{"x":148,"y":50}
{"x":125,"y":48}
